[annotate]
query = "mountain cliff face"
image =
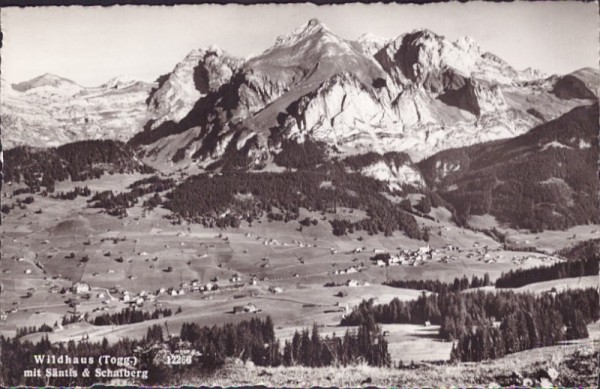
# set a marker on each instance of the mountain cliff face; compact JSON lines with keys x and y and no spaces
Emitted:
{"x":201,"y":72}
{"x":419,"y":93}
{"x":50,"y":110}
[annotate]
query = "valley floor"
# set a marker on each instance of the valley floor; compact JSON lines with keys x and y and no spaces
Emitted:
{"x":134,"y":254}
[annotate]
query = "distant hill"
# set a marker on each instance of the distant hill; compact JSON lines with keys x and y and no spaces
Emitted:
{"x":46,"y":81}
{"x":544,"y":179}
{"x":581,"y":84}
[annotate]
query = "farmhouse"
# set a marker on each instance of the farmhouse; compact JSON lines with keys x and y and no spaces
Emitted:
{"x":425,"y":250}
{"x":249,"y":308}
{"x":352,"y":283}
{"x":209,"y":286}
{"x":276,"y":290}
{"x":80,"y":287}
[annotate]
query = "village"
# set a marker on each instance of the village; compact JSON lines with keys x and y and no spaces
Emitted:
{"x":381,"y":258}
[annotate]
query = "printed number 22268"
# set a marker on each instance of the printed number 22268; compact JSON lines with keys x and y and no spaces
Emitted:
{"x":179,"y":360}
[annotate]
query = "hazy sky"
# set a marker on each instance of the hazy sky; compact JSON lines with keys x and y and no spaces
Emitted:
{"x":92,"y":44}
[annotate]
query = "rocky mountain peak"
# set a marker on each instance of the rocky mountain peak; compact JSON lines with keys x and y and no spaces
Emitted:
{"x":371,"y":43}
{"x":202,"y":71}
{"x":119,"y":82}
{"x":468,"y":44}
{"x":312,"y":27}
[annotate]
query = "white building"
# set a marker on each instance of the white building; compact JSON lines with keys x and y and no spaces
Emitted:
{"x":80,"y":287}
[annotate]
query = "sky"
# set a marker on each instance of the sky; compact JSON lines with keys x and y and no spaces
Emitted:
{"x":90,"y":45}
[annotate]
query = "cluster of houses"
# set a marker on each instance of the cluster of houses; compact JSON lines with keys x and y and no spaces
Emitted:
{"x":185,"y":287}
{"x":350,"y":270}
{"x":406,"y":257}
{"x":354,"y":283}
{"x":138,"y":299}
{"x":521,"y":260}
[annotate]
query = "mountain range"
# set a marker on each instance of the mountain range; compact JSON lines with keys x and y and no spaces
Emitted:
{"x":419,"y":93}
{"x":416,"y":110}
{"x":50,"y":110}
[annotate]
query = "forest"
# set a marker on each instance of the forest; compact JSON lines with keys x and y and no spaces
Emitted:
{"x":521,"y":277}
{"x":490,"y":325}
{"x":77,"y":161}
{"x":357,"y":162}
{"x":129,"y":316}
{"x":539,"y":180}
{"x":221,"y":200}
{"x":116,"y":204}
{"x":437,"y":286}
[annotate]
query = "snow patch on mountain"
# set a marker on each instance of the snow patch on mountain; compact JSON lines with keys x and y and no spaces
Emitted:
{"x":394,"y":175}
{"x":50,"y":110}
{"x":371,"y":43}
{"x":554,"y":144}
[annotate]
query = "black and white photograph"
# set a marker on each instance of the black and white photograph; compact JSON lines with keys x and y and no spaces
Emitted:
{"x":299,"y":195}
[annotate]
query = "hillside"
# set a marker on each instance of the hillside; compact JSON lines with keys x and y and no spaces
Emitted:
{"x":576,"y":368}
{"x":545,"y":179}
{"x":78,"y":161}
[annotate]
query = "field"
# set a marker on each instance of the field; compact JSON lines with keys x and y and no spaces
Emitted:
{"x":44,"y":254}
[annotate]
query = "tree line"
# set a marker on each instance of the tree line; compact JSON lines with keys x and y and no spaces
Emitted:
{"x":438,"y":286}
{"x":249,"y":340}
{"x":366,"y":345}
{"x":516,"y":322}
{"x":129,"y":316}
{"x":77,"y":161}
{"x":117,"y":204}
{"x":521,"y":277}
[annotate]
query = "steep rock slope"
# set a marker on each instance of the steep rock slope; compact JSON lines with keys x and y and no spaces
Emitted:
{"x":419,"y":93}
{"x":201,"y":72}
{"x":50,"y":111}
